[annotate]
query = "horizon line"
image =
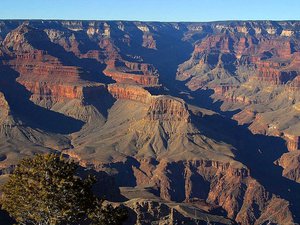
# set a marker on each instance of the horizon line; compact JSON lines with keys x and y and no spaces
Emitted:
{"x":157,"y":21}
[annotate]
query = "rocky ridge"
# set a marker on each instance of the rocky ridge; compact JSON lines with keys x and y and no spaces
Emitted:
{"x":137,"y":127}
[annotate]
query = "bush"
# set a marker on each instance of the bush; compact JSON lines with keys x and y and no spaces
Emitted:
{"x":44,"y":190}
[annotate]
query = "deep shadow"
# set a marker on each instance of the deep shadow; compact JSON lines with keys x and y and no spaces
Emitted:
{"x":125,"y":176}
{"x":203,"y":98}
{"x":5,"y":219}
{"x":102,"y":100}
{"x":201,"y":187}
{"x":105,"y":186}
{"x":175,"y":175}
{"x":33,"y":115}
{"x":171,"y":52}
{"x":132,"y":217}
{"x":257,"y":152}
{"x":92,"y":70}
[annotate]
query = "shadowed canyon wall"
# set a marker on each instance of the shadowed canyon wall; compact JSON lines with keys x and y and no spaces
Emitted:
{"x":199,"y":117}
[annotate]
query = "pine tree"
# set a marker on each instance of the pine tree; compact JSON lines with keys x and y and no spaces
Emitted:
{"x":44,"y":190}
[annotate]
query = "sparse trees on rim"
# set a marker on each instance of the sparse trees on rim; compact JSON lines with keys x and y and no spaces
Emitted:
{"x":44,"y":190}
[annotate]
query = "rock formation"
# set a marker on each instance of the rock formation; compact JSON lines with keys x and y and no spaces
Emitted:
{"x":107,"y":94}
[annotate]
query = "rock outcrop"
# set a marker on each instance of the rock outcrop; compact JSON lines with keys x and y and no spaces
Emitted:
{"x":293,"y":142}
{"x":4,"y":108}
{"x":106,"y":94}
{"x":290,"y":164}
{"x":129,"y":92}
{"x":132,"y":73}
{"x":250,"y":67}
{"x":149,"y":212}
{"x":168,"y":108}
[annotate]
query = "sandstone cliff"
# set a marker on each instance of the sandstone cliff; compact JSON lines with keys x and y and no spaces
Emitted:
{"x":105,"y":93}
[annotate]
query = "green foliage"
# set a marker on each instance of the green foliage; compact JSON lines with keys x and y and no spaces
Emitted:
{"x":44,"y":190}
{"x":107,"y":214}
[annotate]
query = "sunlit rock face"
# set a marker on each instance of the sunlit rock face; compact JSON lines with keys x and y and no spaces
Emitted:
{"x":254,"y":67}
{"x":159,"y":108}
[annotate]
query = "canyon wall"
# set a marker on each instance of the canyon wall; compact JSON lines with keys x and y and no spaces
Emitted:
{"x":107,"y":94}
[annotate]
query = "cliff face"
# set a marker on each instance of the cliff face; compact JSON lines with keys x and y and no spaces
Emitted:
{"x":249,"y":66}
{"x":132,"y":73}
{"x":290,"y":164}
{"x":4,"y":107}
{"x":163,"y":108}
{"x":154,"y":211}
{"x":106,"y":94}
{"x":129,"y":92}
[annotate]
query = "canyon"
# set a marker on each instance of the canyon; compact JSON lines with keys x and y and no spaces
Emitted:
{"x":183,"y":122}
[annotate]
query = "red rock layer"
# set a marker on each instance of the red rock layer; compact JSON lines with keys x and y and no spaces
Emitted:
{"x":164,"y":108}
{"x":59,"y":91}
{"x":293,"y":142}
{"x":223,"y":92}
{"x":228,"y":185}
{"x":280,"y":47}
{"x":274,"y":58}
{"x":44,"y":75}
{"x":217,"y":183}
{"x":272,"y":73}
{"x":185,"y":171}
{"x":39,"y":65}
{"x":221,"y":42}
{"x":140,"y":76}
{"x":130,"y":92}
{"x":168,"y":108}
{"x":222,"y":89}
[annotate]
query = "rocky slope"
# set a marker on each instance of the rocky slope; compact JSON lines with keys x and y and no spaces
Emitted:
{"x":253,"y":67}
{"x":132,"y":99}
